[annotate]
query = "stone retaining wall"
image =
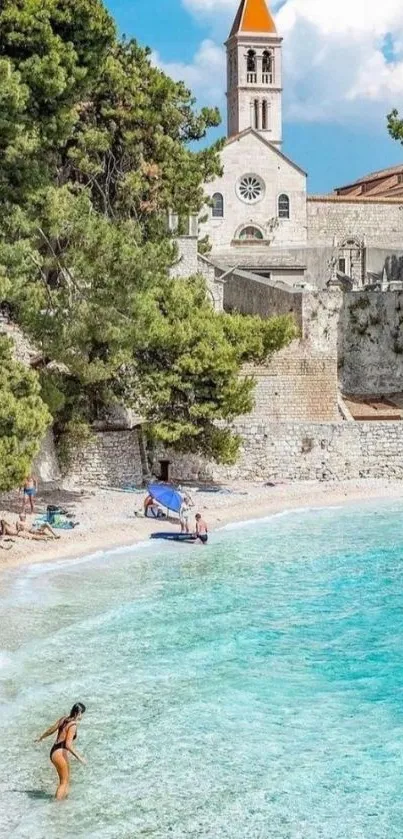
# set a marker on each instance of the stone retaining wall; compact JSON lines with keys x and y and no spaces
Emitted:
{"x":111,"y":459}
{"x":371,"y":343}
{"x":304,"y":452}
{"x":250,"y":294}
{"x":46,"y":465}
{"x":295,"y":385}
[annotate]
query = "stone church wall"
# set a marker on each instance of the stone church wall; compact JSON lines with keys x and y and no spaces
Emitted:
{"x":249,"y":155}
{"x":371,"y":343}
{"x":332,"y":219}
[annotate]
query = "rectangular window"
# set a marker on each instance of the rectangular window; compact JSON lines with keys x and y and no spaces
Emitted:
{"x":342,"y":266}
{"x":264,"y":115}
{"x":256,"y":114}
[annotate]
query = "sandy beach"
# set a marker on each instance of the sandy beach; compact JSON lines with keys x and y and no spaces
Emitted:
{"x":112,"y":518}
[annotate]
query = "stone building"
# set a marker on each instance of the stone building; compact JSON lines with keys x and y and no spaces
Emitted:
{"x":261,"y":218}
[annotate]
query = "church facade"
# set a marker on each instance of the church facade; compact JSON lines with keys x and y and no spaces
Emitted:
{"x":261,"y":218}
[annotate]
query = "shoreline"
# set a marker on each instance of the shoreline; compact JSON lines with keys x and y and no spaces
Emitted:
{"x":109,"y":520}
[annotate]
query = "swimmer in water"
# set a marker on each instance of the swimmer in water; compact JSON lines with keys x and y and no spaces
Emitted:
{"x":66,"y":729}
{"x":201,"y":529}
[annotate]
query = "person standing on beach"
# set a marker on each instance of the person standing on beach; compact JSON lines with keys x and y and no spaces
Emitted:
{"x":66,"y":729}
{"x":201,"y":529}
{"x":184,"y":515}
{"x":184,"y":512}
{"x":29,"y":490}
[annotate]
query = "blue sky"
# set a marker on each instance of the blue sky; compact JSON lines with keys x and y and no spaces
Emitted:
{"x":343,"y":71}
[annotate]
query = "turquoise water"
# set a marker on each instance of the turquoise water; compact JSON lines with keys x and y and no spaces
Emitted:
{"x":252,"y":689}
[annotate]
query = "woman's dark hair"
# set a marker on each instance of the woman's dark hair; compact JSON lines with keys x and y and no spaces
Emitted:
{"x":77,"y":709}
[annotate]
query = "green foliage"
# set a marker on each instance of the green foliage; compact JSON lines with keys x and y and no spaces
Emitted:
{"x":52,"y":392}
{"x":187,"y":368}
{"x":23,"y":418}
{"x":51,"y":54}
{"x":132,"y":144}
{"x":395,"y":125}
{"x":97,"y":145}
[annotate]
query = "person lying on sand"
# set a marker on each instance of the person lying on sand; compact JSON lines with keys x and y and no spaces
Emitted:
{"x":27,"y":531}
{"x":24,"y":531}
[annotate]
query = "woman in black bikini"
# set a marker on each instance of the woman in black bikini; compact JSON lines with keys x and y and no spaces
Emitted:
{"x":66,"y":729}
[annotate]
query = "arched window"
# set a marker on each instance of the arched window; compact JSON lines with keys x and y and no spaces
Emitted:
{"x":284,"y":206}
{"x":267,"y":67}
{"x":265,"y":115}
{"x":218,"y":205}
{"x":251,"y":232}
{"x":251,"y":67}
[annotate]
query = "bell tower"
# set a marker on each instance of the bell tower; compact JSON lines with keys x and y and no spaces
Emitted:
{"x":254,"y":75}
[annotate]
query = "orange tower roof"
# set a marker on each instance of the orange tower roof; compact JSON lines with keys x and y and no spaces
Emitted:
{"x":253,"y":16}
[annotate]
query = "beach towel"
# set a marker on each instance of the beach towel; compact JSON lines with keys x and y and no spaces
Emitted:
{"x":58,"y":523}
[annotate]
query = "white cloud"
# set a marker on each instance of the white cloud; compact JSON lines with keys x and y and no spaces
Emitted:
{"x":209,"y":6}
{"x":205,"y":76}
{"x":334,"y":62}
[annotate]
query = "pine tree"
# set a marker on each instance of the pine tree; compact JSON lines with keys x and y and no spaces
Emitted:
{"x":23,"y":418}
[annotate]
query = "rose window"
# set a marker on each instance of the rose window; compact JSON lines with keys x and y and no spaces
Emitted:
{"x":250,"y":188}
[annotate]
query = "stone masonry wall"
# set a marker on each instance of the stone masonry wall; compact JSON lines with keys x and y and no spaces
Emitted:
{"x":23,"y":349}
{"x":215,"y":286}
{"x":253,"y":295}
{"x":300,"y":382}
{"x":46,"y":465}
{"x":186,"y":265}
{"x":295,"y":386}
{"x":371,"y":343}
{"x":332,"y":219}
{"x":111,"y":459}
{"x":304,"y":452}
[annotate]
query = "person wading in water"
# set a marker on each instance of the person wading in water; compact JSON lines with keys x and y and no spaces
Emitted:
{"x":66,"y":729}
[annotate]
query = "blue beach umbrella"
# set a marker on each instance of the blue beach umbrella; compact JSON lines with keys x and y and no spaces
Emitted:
{"x":167,"y":496}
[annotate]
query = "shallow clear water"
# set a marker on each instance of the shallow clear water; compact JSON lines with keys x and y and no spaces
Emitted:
{"x":252,"y":689}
